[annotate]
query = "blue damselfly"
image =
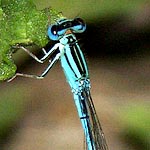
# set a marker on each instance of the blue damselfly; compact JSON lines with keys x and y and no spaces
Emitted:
{"x":75,"y":68}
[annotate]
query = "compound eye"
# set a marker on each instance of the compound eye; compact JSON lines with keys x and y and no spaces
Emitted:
{"x":53,"y":32}
{"x":78,"y":25}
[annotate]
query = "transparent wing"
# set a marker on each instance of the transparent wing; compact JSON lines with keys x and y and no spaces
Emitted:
{"x":96,"y":129}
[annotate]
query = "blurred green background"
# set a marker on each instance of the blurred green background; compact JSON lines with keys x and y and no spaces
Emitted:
{"x":37,"y":115}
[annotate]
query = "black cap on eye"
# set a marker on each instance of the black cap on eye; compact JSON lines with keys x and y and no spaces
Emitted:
{"x":66,"y":25}
{"x":78,"y":25}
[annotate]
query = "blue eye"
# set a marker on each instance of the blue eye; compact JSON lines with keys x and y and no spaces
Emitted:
{"x":78,"y":25}
{"x":53,"y":32}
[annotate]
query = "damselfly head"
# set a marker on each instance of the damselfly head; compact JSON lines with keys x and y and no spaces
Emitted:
{"x":58,"y":30}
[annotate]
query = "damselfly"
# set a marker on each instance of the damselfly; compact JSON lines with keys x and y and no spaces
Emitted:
{"x":75,"y":68}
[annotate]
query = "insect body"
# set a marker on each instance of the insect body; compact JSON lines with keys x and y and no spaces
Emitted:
{"x":76,"y":71}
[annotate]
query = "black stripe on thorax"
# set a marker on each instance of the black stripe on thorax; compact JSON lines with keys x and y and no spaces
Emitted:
{"x":78,"y":59}
{"x":70,"y":65}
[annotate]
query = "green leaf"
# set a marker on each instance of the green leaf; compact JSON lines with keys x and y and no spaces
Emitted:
{"x":21,"y":23}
